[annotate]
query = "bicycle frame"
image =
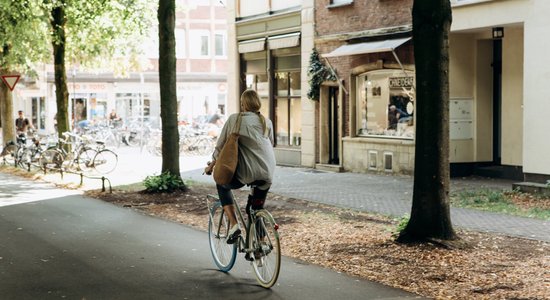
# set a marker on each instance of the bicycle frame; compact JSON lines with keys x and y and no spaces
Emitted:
{"x":243,"y":242}
{"x":259,"y":241}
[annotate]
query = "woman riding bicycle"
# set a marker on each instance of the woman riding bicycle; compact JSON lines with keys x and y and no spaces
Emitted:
{"x":256,"y":159}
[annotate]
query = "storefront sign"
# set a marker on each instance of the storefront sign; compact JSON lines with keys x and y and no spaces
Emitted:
{"x":397,"y":82}
{"x":87,"y":87}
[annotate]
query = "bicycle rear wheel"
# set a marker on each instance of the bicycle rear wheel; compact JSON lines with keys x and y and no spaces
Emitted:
{"x":264,"y":239}
{"x":105,"y":161}
{"x":224,"y":254}
{"x":85,"y":159}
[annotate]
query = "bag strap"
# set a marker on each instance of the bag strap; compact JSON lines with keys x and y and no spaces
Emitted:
{"x":237,"y":127}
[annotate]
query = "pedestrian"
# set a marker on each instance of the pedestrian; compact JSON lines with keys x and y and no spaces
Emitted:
{"x":256,"y":162}
{"x":114,"y":119}
{"x":22,"y":124}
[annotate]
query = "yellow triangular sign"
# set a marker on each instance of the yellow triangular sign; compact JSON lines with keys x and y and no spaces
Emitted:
{"x":10,"y":80}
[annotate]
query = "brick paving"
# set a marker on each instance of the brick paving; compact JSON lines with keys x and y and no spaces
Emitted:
{"x":392,"y":195}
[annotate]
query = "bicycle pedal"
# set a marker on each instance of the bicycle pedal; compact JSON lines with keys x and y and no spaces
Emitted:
{"x":234,"y":237}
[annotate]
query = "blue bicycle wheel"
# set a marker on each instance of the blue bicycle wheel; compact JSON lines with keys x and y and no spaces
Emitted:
{"x":224,"y":254}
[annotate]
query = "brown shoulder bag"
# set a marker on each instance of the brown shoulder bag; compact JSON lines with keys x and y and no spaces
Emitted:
{"x":226,"y":164}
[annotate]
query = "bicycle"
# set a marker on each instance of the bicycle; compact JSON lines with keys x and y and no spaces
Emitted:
{"x":57,"y":157}
{"x":82,"y":157}
{"x":259,"y":241}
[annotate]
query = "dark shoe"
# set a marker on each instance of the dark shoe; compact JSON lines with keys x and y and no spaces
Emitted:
{"x":234,"y":234}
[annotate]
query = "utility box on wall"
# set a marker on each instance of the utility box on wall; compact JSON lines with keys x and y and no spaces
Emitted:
{"x":461,"y":129}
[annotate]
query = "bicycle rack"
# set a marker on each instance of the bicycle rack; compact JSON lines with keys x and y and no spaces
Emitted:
{"x":82,"y":175}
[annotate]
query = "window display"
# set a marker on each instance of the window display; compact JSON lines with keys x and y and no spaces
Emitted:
{"x":385,"y":102}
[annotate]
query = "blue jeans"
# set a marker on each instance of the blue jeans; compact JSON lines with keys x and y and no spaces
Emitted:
{"x":256,"y":199}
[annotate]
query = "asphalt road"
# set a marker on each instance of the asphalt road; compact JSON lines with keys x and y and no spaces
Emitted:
{"x":56,"y":244}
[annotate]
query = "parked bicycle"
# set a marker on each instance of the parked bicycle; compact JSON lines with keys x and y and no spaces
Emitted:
{"x":260,"y":242}
{"x":82,"y":156}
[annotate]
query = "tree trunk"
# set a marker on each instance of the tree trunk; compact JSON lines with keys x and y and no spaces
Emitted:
{"x":6,"y":111}
{"x":167,"y":78}
{"x":61,"y":91}
{"x":430,"y":215}
{"x":6,"y":105}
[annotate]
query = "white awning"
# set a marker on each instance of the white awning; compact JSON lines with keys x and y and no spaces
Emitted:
{"x":252,"y":45}
{"x":369,"y":47}
{"x":284,"y":41}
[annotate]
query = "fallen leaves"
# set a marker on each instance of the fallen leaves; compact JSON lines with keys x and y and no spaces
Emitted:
{"x":360,"y":244}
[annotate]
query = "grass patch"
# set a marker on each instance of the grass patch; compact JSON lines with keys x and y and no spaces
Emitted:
{"x":511,"y":203}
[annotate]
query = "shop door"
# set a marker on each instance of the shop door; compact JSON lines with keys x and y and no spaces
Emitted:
{"x":333,"y":132}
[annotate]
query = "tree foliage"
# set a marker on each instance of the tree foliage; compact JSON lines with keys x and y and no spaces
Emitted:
{"x":93,"y":33}
{"x":317,"y":73}
{"x":22,"y":32}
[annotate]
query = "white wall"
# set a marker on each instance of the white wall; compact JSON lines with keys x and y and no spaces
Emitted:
{"x":512,"y":97}
{"x":536,"y":107}
{"x":232,"y":60}
{"x":308,"y":106}
{"x":490,"y":14}
{"x":256,"y":7}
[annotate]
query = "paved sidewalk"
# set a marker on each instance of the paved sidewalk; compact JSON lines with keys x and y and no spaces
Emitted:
{"x":392,"y":195}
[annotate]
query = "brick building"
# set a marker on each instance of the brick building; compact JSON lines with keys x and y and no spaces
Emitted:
{"x":364,"y":121}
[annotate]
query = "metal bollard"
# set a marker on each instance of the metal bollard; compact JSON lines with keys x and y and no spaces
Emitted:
{"x":81,"y":179}
{"x":103,"y":183}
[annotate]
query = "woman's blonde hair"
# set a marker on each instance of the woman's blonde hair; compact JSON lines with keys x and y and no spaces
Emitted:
{"x":250,"y":101}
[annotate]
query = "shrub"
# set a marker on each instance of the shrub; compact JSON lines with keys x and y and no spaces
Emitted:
{"x":403,"y":221}
{"x":163,"y":183}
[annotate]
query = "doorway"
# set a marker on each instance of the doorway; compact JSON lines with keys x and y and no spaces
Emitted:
{"x":333,"y":127}
{"x":497,"y":101}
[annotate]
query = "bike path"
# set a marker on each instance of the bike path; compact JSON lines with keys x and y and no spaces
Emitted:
{"x":392,"y":195}
{"x":74,"y":247}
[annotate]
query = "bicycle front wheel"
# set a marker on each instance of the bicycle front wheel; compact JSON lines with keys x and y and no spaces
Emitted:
{"x":51,"y":159}
{"x":264,"y":240}
{"x":105,"y":161}
{"x":224,"y":254}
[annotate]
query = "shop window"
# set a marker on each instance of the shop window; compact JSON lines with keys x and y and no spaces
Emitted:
{"x":288,"y":112}
{"x":385,"y":104}
{"x":259,"y":83}
{"x":38,"y":113}
{"x":80,"y":111}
